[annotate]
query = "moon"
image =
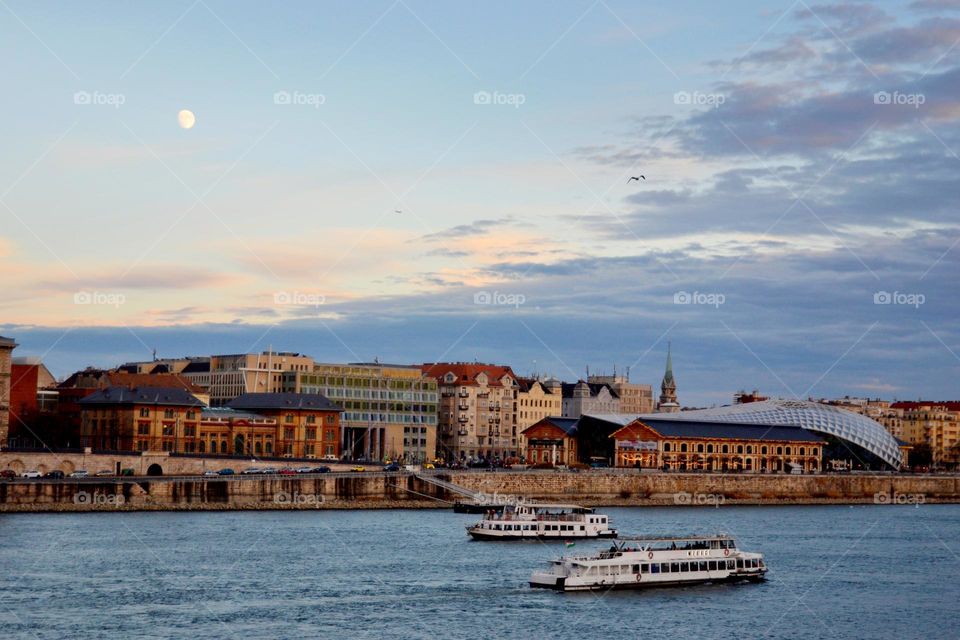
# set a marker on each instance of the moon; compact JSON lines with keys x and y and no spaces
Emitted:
{"x":186,"y":119}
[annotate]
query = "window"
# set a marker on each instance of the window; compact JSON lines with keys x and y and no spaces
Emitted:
{"x":674,"y":567}
{"x":312,"y":433}
{"x":144,"y":412}
{"x":168,"y":414}
{"x":143,"y":429}
{"x":684,"y":566}
{"x":664,"y":567}
{"x":645,"y":568}
{"x":712,"y":565}
{"x":655,"y":567}
{"x":288,"y":418}
{"x":288,"y":434}
{"x":311,"y":419}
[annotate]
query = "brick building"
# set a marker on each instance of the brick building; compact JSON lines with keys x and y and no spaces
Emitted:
{"x":307,"y":425}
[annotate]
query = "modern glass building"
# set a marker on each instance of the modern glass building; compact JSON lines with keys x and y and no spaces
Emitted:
{"x":813,"y":416}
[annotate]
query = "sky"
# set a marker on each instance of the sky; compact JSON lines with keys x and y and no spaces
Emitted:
{"x":423,"y":181}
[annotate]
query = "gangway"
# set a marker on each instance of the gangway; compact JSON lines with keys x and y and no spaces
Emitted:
{"x":449,"y":486}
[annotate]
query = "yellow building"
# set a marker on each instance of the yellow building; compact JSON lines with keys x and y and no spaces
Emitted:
{"x":536,"y":400}
{"x":934,"y":423}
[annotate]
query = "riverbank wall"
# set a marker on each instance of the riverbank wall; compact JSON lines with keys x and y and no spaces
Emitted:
{"x":373,"y":490}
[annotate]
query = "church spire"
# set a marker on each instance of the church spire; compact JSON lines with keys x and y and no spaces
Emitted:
{"x":668,"y":388}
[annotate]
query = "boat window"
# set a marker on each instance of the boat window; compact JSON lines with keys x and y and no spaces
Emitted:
{"x":739,"y":564}
{"x":713,"y":565}
{"x":582,"y":528}
{"x":644,"y":568}
{"x":664,"y":567}
{"x":675,"y":567}
{"x":655,"y":567}
{"x":684,"y":566}
{"x":730,"y":564}
{"x":714,"y":544}
{"x":703,"y":565}
{"x":636,"y":568}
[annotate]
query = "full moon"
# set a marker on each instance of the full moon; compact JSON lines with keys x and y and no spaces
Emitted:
{"x":186,"y":119}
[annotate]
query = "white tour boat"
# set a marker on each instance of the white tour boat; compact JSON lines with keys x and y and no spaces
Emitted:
{"x":654,"y":562}
{"x":542,"y":521}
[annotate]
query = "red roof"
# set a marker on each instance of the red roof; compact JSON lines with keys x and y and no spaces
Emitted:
{"x":949,"y":405}
{"x":467,"y":372}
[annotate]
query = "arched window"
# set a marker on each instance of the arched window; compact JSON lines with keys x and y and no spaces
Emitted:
{"x":238,"y":444}
{"x":788,"y":450}
{"x":269,"y":447}
{"x":683,"y":447}
{"x":763,"y":449}
{"x":258,"y":447}
{"x":802,"y":451}
{"x":201,"y":446}
{"x":725,"y":449}
{"x":666,"y":446}
{"x":749,"y":449}
{"x":700,"y":448}
{"x":709,"y":448}
{"x":779,"y":451}
{"x":739,"y":448}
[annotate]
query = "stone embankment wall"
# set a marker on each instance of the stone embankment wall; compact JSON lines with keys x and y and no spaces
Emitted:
{"x":379,"y":490}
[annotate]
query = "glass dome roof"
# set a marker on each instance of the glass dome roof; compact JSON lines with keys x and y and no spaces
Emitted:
{"x":821,"y":418}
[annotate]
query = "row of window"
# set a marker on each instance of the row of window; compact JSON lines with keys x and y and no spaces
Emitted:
{"x":667,"y":446}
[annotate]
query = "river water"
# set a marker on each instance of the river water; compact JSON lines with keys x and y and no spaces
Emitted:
{"x":835,"y":572}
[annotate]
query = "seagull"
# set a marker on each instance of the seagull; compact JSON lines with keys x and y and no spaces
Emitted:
{"x":398,"y":211}
{"x":637,"y":178}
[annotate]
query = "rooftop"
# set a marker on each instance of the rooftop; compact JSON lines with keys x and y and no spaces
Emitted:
{"x":302,"y":401}
{"x":163,"y":396}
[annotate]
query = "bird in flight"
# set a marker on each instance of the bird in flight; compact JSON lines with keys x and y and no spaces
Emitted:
{"x":398,"y":211}
{"x":637,"y":178}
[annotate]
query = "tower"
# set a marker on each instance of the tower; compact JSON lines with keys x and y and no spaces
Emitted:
{"x":668,"y":388}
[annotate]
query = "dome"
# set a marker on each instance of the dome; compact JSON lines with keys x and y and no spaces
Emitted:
{"x":821,"y":418}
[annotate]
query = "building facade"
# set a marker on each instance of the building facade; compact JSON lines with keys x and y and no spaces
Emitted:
{"x":389,"y":411}
{"x":582,"y":397}
{"x":633,"y":398}
{"x":933,"y":423}
{"x":6,"y":350}
{"x":307,"y":425}
{"x":33,"y":402}
{"x":233,"y":375}
{"x":477,"y":412}
{"x":147,"y":419}
{"x":682,"y":445}
{"x":536,"y":400}
{"x":228,"y":431}
{"x":551,"y":440}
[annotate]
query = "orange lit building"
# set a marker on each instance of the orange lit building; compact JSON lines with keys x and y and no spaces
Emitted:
{"x":307,"y":424}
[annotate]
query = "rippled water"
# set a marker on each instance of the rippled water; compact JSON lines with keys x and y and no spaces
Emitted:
{"x":837,"y":572}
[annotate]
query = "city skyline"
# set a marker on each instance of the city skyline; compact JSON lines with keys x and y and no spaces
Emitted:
{"x":469,"y":198}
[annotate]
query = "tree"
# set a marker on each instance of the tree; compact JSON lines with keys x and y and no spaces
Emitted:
{"x":921,"y":455}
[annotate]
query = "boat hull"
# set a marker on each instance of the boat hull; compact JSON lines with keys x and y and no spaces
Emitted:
{"x":560,"y":583}
{"x":487,"y":536}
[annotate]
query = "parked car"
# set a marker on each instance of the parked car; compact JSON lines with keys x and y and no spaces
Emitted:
{"x":429,"y":465}
{"x":56,"y":474}
{"x":320,"y":470}
{"x":252,"y":471}
{"x":268,"y":470}
{"x":79,"y":473}
{"x":392,"y":468}
{"x":31,"y":474}
{"x":211,"y":473}
{"x":304,"y":470}
{"x":104,"y":473}
{"x":225,"y":472}
{"x":287,"y":471}
{"x":359,"y":468}
{"x":8,"y":474}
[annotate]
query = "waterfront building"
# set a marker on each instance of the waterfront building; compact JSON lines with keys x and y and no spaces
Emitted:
{"x":552,"y":440}
{"x":236,"y":374}
{"x":6,"y":349}
{"x":935,"y":423}
{"x":140,"y":419}
{"x":633,"y":398}
{"x":583,"y":397}
{"x":686,"y":445}
{"x":307,"y":424}
{"x":33,"y":400}
{"x":536,"y":400}
{"x":389,"y":410}
{"x":477,"y":412}
{"x":233,"y":432}
{"x":668,"y":389}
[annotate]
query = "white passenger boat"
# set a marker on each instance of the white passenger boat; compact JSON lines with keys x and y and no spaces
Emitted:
{"x":542,"y":521}
{"x":636,"y":563}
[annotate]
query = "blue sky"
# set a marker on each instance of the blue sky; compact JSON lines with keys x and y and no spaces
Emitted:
{"x":796,"y":230}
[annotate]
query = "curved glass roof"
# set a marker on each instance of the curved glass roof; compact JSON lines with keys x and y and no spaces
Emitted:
{"x":822,"y":418}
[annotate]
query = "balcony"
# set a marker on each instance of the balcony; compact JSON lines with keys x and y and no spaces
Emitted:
{"x":464,"y":394}
{"x":462,"y":418}
{"x":462,"y":432}
{"x":463,"y":406}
